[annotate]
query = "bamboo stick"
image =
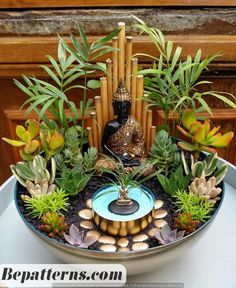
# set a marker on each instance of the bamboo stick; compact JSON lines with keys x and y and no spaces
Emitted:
{"x":144,"y":119}
{"x":95,"y":130}
{"x":139,"y":102}
{"x":109,"y":88}
{"x":98,"y":105}
{"x":149,"y":124}
{"x":153,"y":132}
{"x":133,"y":89}
{"x":128,"y":56}
{"x":115,"y":64}
{"x":121,"y":58}
{"x":104,"y":99}
{"x":90,"y":137}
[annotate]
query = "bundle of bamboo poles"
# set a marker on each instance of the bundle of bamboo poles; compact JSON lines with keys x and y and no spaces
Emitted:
{"x":121,"y":67}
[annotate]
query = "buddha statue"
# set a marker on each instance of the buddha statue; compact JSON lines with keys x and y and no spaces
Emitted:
{"x":122,"y":136}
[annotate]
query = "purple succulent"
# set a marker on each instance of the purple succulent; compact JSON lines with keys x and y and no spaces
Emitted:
{"x":77,"y":238}
{"x":165,"y":235}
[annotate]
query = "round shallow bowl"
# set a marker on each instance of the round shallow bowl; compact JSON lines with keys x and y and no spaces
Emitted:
{"x":136,"y":262}
{"x":122,"y":225}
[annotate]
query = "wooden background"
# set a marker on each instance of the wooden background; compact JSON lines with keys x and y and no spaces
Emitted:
{"x":21,"y":54}
{"x":114,"y":3}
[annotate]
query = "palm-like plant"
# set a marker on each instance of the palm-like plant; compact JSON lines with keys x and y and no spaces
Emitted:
{"x":171,"y":84}
{"x":125,"y":178}
{"x":86,"y":54}
{"x":53,"y":97}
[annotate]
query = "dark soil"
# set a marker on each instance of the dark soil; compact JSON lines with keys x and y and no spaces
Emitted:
{"x":78,"y":202}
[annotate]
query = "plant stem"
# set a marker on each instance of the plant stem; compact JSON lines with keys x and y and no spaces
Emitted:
{"x":83,"y":107}
{"x":195,"y":155}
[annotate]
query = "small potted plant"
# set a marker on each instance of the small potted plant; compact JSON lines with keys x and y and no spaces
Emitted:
{"x":149,"y":212}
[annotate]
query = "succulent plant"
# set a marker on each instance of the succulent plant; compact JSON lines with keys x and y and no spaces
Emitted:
{"x":200,"y":208}
{"x":207,"y":167}
{"x":205,"y":189}
{"x":53,"y":224}
{"x":78,"y":239}
{"x":164,"y":153}
{"x":73,"y":180}
{"x":202,"y":136}
{"x":36,"y":190}
{"x":166,"y":236}
{"x":28,"y":144}
{"x":176,"y":181}
{"x":54,"y":202}
{"x":184,"y":221}
{"x":35,"y":171}
{"x":71,"y":154}
{"x":52,"y":142}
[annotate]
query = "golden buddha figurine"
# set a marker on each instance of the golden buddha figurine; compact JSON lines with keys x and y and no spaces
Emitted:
{"x":123,"y":136}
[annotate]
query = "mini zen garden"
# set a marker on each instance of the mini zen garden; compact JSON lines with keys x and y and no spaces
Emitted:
{"x":101,"y":177}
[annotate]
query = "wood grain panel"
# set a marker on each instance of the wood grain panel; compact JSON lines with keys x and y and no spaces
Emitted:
{"x":115,"y":3}
{"x":15,"y":70}
{"x":33,"y":49}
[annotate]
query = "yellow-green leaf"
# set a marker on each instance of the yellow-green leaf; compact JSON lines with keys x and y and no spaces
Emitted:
{"x":25,"y":156}
{"x":188,"y":118}
{"x":199,"y":135}
{"x":207,"y":149}
{"x":33,"y":128}
{"x":224,"y":140}
{"x":15,"y":143}
{"x":207,"y":127}
{"x":213,"y":132}
{"x":26,"y":136}
{"x":186,"y":146}
{"x":56,"y":141}
{"x":214,"y":138}
{"x":194,"y":126}
{"x":31,"y":147}
{"x":19,"y":131}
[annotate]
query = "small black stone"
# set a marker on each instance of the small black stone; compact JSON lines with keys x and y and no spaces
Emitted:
{"x":123,"y":209}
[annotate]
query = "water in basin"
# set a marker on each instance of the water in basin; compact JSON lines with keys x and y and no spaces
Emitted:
{"x":105,"y":195}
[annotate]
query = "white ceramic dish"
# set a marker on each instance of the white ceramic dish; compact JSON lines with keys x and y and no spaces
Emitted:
{"x":136,"y":262}
{"x":206,"y":264}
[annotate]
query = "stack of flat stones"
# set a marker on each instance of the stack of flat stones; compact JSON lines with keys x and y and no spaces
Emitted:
{"x":123,"y":244}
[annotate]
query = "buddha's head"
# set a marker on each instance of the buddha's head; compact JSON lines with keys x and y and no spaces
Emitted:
{"x":122,"y":107}
{"x":121,"y":102}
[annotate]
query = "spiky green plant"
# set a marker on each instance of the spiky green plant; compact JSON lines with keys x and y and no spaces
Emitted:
{"x":71,"y":155}
{"x":73,"y":180}
{"x":172,"y":84}
{"x":176,"y":181}
{"x":54,"y":202}
{"x":164,"y":154}
{"x":198,"y":207}
{"x":124,"y":178}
